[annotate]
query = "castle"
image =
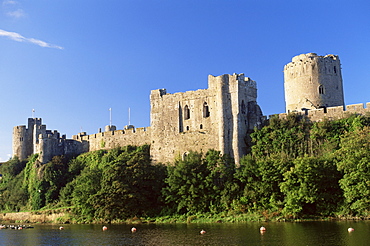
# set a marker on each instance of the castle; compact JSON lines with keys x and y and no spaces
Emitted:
{"x":220,"y":117}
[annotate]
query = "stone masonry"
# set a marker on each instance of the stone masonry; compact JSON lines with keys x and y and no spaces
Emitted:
{"x":215,"y":118}
{"x":313,"y":82}
{"x":220,"y":117}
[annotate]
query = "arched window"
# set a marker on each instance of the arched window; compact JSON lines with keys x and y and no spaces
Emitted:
{"x":205,"y":110}
{"x":201,"y":126}
{"x":186,"y":112}
{"x":321,"y":89}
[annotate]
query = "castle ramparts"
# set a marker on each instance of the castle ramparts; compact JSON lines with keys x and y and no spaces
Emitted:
{"x":113,"y":139}
{"x":219,"y":117}
{"x":215,"y":118}
{"x":331,"y":113}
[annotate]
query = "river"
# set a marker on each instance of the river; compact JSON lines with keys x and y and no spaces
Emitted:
{"x":283,"y":233}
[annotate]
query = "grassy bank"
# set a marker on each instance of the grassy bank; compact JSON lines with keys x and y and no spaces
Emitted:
{"x":66,"y":216}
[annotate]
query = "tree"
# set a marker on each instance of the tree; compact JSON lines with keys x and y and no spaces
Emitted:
{"x":186,"y":184}
{"x":353,"y":159}
{"x":130,"y":185}
{"x":219,"y":180}
{"x":311,"y":187}
{"x":55,"y":176}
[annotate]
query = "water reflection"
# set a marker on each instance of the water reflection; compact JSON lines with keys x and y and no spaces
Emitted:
{"x":299,"y":233}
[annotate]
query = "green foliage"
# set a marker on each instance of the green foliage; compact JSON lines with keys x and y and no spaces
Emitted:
{"x":186,"y":184}
{"x":55,"y":176}
{"x":296,"y":168}
{"x":291,"y":168}
{"x":311,"y":187}
{"x":115,"y":184}
{"x":83,"y":188}
{"x":286,"y":137}
{"x":102,"y":143}
{"x":13,"y":196}
{"x":353,"y":159}
{"x":197,"y":184}
{"x":128,"y":186}
{"x":219,"y":180}
{"x":12,"y":168}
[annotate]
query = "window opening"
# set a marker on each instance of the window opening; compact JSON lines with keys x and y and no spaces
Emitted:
{"x":205,"y":110}
{"x":186,"y":112}
{"x":321,"y":89}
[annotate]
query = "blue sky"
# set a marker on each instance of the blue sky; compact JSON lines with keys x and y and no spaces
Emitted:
{"x":73,"y":60}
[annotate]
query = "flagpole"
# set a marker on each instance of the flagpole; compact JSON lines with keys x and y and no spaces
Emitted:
{"x":129,"y":115}
{"x":110,"y":117}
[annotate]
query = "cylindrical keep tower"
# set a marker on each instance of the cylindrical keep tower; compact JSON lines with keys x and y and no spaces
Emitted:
{"x":20,"y":142}
{"x":313,"y":82}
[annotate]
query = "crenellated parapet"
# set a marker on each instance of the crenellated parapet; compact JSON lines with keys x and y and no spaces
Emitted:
{"x":220,"y":117}
{"x":332,"y":113}
{"x":113,"y":139}
{"x":36,"y":139}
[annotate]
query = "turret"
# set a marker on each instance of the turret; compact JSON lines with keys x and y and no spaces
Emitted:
{"x":313,"y":82}
{"x":20,"y":142}
{"x":24,"y":138}
{"x":237,"y":111}
{"x":109,"y":128}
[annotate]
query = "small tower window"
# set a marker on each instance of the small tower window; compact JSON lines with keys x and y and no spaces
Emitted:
{"x":321,"y":89}
{"x":201,"y":126}
{"x":186,"y":112}
{"x":335,"y":69}
{"x":205,"y":110}
{"x":243,"y":107}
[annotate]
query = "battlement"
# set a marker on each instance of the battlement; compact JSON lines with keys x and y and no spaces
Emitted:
{"x":84,"y":137}
{"x":313,"y":56}
{"x":313,"y":82}
{"x":229,"y":79}
{"x":158,"y":92}
{"x":219,"y":117}
{"x":331,"y":113}
{"x":50,"y":134}
{"x":312,"y":65}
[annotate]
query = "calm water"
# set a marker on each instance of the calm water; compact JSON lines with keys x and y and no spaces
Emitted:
{"x":299,"y":233}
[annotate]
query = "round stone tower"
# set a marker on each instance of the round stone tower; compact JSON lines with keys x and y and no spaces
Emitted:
{"x":313,"y":82}
{"x":20,"y":142}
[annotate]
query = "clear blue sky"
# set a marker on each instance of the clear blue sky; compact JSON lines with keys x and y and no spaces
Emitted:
{"x":73,"y":60}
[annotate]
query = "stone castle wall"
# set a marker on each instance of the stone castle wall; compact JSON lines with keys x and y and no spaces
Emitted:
{"x":332,"y":113}
{"x":112,"y":139}
{"x":179,"y":125}
{"x":219,"y":117}
{"x":215,"y":118}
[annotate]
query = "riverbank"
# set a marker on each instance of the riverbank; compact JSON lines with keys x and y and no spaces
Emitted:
{"x":65,"y":216}
{"x":47,"y":216}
